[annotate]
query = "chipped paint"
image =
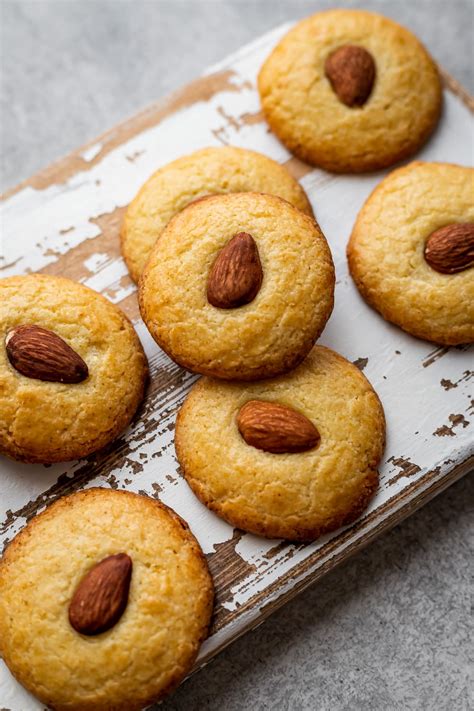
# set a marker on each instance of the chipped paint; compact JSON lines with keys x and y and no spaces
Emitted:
{"x":449,"y":385}
{"x":448,"y":431}
{"x":92,"y":152}
{"x":360,"y":363}
{"x":441,"y":351}
{"x":406,"y":468}
{"x":67,"y":220}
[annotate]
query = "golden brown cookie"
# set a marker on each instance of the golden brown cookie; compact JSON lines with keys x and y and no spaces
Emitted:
{"x":205,"y":172}
{"x":350,"y":91}
{"x":72,"y":370}
{"x":165,"y":592}
{"x":238,"y":286}
{"x":411,"y":252}
{"x":293,"y":457}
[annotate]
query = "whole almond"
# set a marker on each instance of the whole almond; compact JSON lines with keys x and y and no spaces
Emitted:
{"x":39,"y":353}
{"x":351,"y":72}
{"x":276,"y":428}
{"x":236,"y":275}
{"x":451,"y":248}
{"x":101,"y":597}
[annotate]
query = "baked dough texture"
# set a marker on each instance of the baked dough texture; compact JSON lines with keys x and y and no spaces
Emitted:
{"x":272,"y":333}
{"x":49,"y":421}
{"x":386,"y":251}
{"x":306,"y":114}
{"x":294,"y":496}
{"x":204,"y":172}
{"x":155,"y":642}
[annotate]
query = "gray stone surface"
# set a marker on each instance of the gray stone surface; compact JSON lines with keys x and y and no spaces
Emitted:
{"x":71,"y":69}
{"x":389,"y":629}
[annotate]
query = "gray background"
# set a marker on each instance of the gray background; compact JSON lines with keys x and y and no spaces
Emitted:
{"x":389,"y":629}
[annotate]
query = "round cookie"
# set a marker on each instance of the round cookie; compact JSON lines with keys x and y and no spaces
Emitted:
{"x":50,"y":420}
{"x":298,"y":495}
{"x":204,"y":172}
{"x":386,"y":251}
{"x":302,"y":80}
{"x":289,"y":309}
{"x":153,"y":644}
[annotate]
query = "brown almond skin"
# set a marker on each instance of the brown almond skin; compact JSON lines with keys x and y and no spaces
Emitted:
{"x":38,"y":353}
{"x":351,"y":72}
{"x":236,"y":275}
{"x":450,"y":249}
{"x":276,"y":428}
{"x":101,"y":597}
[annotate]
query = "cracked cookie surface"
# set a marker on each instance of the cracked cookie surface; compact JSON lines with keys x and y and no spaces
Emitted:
{"x":386,"y":251}
{"x":205,"y":172}
{"x":52,"y":421}
{"x":155,"y":642}
{"x":308,"y":117}
{"x":298,"y":496}
{"x":265,"y":337}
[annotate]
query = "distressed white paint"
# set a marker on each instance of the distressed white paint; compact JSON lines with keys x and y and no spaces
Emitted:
{"x":41,"y":225}
{"x":92,"y":152}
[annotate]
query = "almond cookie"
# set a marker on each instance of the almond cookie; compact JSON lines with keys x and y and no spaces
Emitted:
{"x":205,"y":172}
{"x":72,"y":370}
{"x":105,"y":598}
{"x":350,"y":91}
{"x":411,"y":252}
{"x":293,"y":457}
{"x":238,"y":286}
